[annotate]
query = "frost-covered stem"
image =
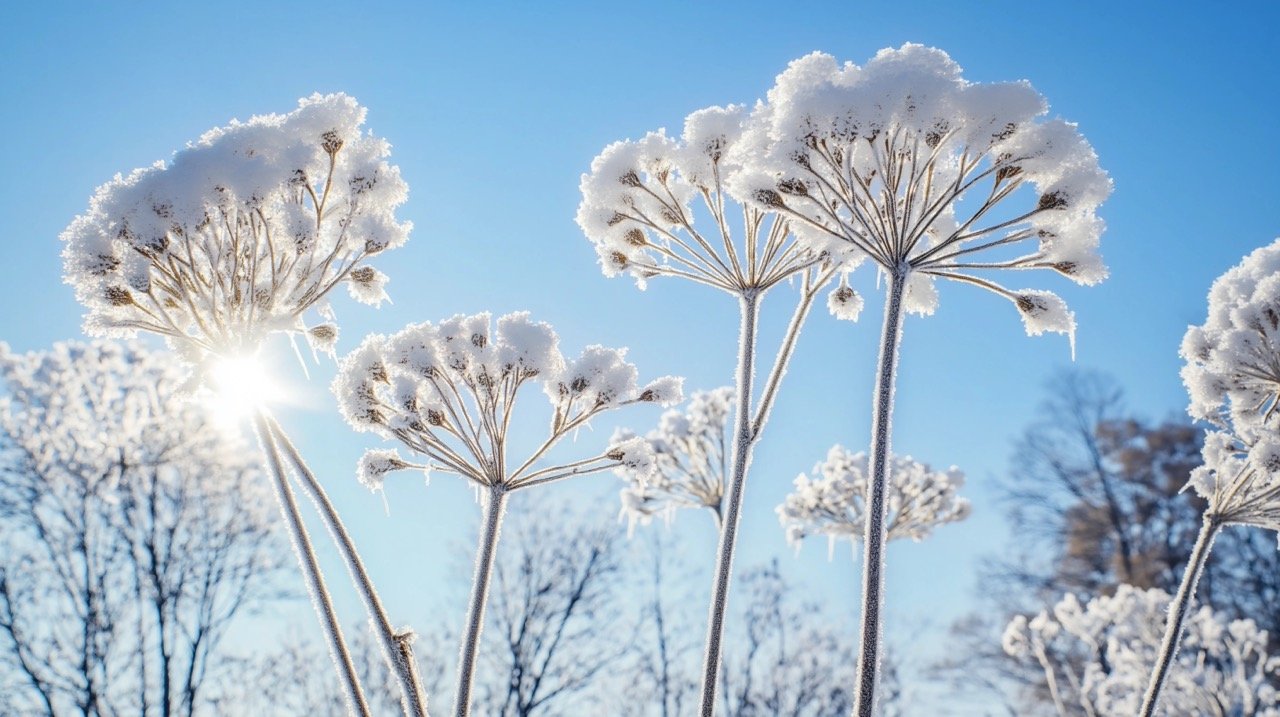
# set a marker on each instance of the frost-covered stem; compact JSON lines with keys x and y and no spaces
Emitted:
{"x":356,"y":702}
{"x":808,"y":290}
{"x":744,"y":439}
{"x":1051,"y":680}
{"x":1178,"y":610}
{"x":396,"y":647}
{"x":874,"y":533}
{"x":495,"y":504}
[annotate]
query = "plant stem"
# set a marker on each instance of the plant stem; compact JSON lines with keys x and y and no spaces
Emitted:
{"x":301,"y":541}
{"x":874,"y":534}
{"x":494,"y":506}
{"x":1178,"y":610}
{"x":396,"y":647}
{"x":744,"y":439}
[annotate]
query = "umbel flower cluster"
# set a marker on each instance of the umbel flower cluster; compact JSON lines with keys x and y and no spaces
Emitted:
{"x":242,"y":232}
{"x":1233,"y":360}
{"x":447,"y":392}
{"x":833,"y":502}
{"x":1096,"y":657}
{"x":874,"y":162}
{"x":691,"y":454}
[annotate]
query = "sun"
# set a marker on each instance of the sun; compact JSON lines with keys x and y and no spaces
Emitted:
{"x":239,"y":385}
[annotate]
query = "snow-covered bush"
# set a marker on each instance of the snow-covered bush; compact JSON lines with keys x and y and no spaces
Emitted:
{"x":690,"y":460}
{"x":448,"y":393}
{"x":834,"y":501}
{"x":904,"y":162}
{"x":1096,"y":657}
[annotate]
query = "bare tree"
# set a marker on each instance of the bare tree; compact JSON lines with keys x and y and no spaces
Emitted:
{"x":556,"y":621}
{"x":132,"y":534}
{"x":1096,"y":499}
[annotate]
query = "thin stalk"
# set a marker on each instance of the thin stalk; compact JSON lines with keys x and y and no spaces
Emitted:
{"x":1178,"y":610}
{"x":495,"y":505}
{"x":744,"y":439}
{"x":356,"y":703}
{"x":397,"y":648}
{"x":874,"y":534}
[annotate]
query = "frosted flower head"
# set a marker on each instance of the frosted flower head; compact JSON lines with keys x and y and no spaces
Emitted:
{"x":1101,"y":652}
{"x":242,"y":232}
{"x":689,"y":460}
{"x":833,"y":502}
{"x":905,"y":162}
{"x":1233,"y":359}
{"x":1241,"y":483}
{"x":640,"y":200}
{"x":448,"y":392}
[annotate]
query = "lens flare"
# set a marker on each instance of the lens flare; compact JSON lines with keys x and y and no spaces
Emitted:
{"x":239,"y":386}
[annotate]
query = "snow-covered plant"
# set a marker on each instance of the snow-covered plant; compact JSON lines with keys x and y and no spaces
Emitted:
{"x":242,"y":234}
{"x":448,"y":393}
{"x":1233,"y":378}
{"x":1233,"y":360}
{"x":1096,"y":657}
{"x":905,"y":163}
{"x":133,"y":532}
{"x":690,"y":460}
{"x":639,"y":204}
{"x":834,"y":501}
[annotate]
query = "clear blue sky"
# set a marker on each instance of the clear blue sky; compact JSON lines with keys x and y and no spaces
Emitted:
{"x":494,"y":111}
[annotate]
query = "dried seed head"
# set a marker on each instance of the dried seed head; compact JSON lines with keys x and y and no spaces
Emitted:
{"x":619,"y":259}
{"x":635,"y":237}
{"x":1066,"y":268}
{"x":795,"y":187}
{"x":118,"y":296}
{"x":630,"y":179}
{"x":769,"y":198}
{"x":616,"y":219}
{"x":1052,"y":200}
{"x":331,"y":142}
{"x":434,"y":417}
{"x":363,"y":274}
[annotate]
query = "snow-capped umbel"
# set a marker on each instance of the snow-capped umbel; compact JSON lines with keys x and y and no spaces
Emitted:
{"x":1233,"y":360}
{"x":1241,"y":484}
{"x":447,"y":391}
{"x":1098,"y":656}
{"x":904,"y":162}
{"x":241,"y":232}
{"x":833,"y":502}
{"x":690,"y":460}
{"x":638,"y":207}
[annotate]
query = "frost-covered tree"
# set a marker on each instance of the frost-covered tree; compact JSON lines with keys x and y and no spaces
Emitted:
{"x":639,"y":205}
{"x":243,"y":234}
{"x":1233,"y":377}
{"x":691,"y":454}
{"x":1096,"y":658}
{"x":929,"y":176}
{"x":133,"y":533}
{"x":448,"y":393}
{"x":834,"y":502}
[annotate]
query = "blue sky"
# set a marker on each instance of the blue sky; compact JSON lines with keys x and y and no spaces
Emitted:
{"x":494,"y":112}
